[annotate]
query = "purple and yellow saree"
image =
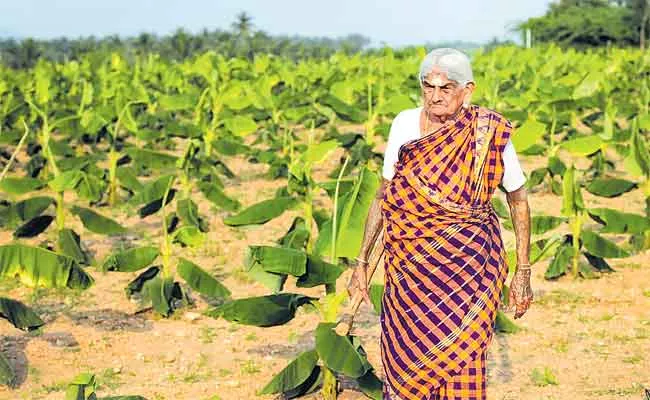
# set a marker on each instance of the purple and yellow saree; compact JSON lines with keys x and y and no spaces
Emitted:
{"x":444,"y":259}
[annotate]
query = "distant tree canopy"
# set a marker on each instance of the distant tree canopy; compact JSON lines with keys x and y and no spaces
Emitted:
{"x":588,"y":23}
{"x":242,"y":41}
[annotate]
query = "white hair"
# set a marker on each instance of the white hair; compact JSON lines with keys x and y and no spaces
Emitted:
{"x":453,"y":62}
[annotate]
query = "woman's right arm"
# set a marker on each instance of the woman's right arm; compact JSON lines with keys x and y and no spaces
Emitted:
{"x":372,"y":229}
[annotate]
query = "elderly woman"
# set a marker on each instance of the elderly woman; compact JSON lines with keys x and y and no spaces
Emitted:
{"x":444,"y":256}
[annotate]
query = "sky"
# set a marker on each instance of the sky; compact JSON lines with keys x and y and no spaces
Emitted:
{"x":392,"y":22}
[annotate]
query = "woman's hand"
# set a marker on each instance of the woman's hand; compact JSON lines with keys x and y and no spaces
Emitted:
{"x":521,"y":294}
{"x":359,"y":281}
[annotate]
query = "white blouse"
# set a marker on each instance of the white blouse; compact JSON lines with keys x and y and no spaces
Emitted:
{"x":406,"y":127}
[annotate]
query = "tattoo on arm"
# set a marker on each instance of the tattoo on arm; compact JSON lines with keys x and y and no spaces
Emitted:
{"x":520,"y":213}
{"x":374,"y":223}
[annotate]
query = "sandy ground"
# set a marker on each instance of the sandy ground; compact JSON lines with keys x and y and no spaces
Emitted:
{"x":592,"y":336}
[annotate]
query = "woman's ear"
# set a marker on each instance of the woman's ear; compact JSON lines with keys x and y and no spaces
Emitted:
{"x":469,"y":89}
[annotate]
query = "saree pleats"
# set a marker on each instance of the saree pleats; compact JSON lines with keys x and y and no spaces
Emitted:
{"x":444,"y":263}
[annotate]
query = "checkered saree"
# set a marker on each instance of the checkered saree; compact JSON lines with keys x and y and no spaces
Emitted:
{"x":444,"y":259}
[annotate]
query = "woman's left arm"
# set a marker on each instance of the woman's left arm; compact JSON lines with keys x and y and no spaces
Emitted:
{"x":521,"y":294}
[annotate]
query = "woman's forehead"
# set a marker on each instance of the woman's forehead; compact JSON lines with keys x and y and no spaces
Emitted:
{"x":437,"y":77}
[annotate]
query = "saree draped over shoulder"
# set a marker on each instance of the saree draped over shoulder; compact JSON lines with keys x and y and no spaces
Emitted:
{"x":445,"y":264}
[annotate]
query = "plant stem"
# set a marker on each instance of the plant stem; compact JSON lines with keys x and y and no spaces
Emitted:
{"x":113,"y":156}
{"x":16,"y":151}
{"x":329,"y":385}
{"x":166,"y":248}
{"x":576,"y":226}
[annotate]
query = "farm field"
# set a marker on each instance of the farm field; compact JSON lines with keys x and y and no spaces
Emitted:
{"x":188,"y":186}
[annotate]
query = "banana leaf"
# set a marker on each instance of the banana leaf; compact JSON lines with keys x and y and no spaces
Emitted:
{"x":293,"y":375}
{"x":261,"y":212}
{"x":97,"y":223}
{"x":201,"y":281}
{"x":217,"y":197}
{"x":19,"y":186}
{"x":338,"y":353}
{"x":82,"y":387}
{"x":319,"y":272}
{"x":33,"y":227}
{"x":371,"y":385}
{"x":560,"y":262}
{"x":352,"y":217}
{"x":271,"y":310}
{"x":279,"y":260}
{"x":528,"y":134}
{"x":600,"y":246}
{"x":131,"y":260}
{"x":188,"y":212}
{"x":24,"y":210}
{"x":70,"y":244}
{"x":615,"y":221}
{"x":189,"y":236}
{"x":610,"y":187}
{"x":35,"y":266}
{"x":20,"y":316}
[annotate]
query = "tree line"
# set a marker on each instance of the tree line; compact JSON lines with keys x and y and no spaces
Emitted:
{"x":592,"y":23}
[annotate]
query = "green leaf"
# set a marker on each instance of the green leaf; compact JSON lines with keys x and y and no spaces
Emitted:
{"x":558,"y":266}
{"x":20,"y":316}
{"x":261,"y":212}
{"x":371,"y":385}
{"x":24,"y":210}
{"x":279,"y":260}
{"x":297,"y":235}
{"x":583,"y":146}
{"x":396,"y":104}
{"x":7,"y":375}
{"x":319,"y":272}
{"x":528,"y":134}
{"x":641,"y":152}
{"x":608,"y":187}
{"x":241,"y":125}
{"x":338,"y":353}
{"x":589,"y":85}
{"x":20,"y":186}
{"x":33,"y":227}
{"x":152,"y":191}
{"x":35,"y":266}
{"x":352,"y":218}
{"x":188,"y":212}
{"x":504,"y":324}
{"x":152,"y":159}
{"x":156,"y":205}
{"x":619,"y":222}
{"x":556,"y":167}
{"x":500,"y":208}
{"x":131,"y":260}
{"x":275,"y":282}
{"x":190,"y":236}
{"x":97,"y":223}
{"x":293,"y":375}
{"x":70,"y":245}
{"x":541,"y":224}
{"x":201,"y":281}
{"x":82,"y":387}
{"x":137,"y":284}
{"x":271,"y":310}
{"x":601,"y":247}
{"x":376,"y":293}
{"x":160,"y":291}
{"x":572,"y":201}
{"x":217,"y":197}
{"x":67,"y":180}
{"x":598,"y":263}
{"x":128,"y":179}
{"x":177,"y":102}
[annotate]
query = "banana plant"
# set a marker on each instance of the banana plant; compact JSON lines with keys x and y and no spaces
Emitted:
{"x":23,"y":318}
{"x":84,"y":387}
{"x":580,"y":242}
{"x":157,"y":283}
{"x":334,"y":355}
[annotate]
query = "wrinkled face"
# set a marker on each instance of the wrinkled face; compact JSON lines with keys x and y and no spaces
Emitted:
{"x":443,"y":97}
